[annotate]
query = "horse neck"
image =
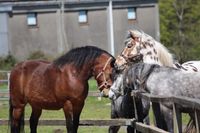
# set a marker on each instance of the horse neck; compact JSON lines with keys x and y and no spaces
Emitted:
{"x":155,"y":53}
{"x":84,"y":73}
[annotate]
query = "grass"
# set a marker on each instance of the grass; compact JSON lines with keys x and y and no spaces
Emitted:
{"x":3,"y":87}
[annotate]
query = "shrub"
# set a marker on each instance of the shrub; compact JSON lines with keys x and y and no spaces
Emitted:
{"x":7,"y":62}
{"x":38,"y":55}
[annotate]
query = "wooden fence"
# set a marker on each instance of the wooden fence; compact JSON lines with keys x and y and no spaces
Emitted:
{"x":177,"y":102}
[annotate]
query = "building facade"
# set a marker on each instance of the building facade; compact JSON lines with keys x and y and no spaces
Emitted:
{"x":54,"y":27}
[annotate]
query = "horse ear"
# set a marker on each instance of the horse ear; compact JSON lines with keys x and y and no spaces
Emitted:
{"x":131,"y":33}
{"x":112,"y":63}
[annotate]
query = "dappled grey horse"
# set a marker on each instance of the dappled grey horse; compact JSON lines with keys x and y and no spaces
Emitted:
{"x":163,"y":81}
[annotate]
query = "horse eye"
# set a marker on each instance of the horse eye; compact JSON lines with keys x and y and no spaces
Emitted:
{"x":130,"y":45}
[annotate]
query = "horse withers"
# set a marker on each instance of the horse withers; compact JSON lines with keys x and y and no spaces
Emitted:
{"x":62,"y":83}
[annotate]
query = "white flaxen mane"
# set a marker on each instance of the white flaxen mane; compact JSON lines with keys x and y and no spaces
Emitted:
{"x":153,"y":51}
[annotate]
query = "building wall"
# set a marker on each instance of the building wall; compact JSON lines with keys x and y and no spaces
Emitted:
{"x":3,"y":34}
{"x":92,"y":33}
{"x":58,"y":30}
{"x":145,"y":20}
{"x":25,"y":40}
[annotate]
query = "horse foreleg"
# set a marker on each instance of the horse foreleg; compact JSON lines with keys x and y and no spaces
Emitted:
{"x":77,"y":109}
{"x":113,"y":129}
{"x":17,"y":119}
{"x":68,"y":110}
{"x":36,"y":113}
{"x":168,"y":118}
{"x":158,"y":115}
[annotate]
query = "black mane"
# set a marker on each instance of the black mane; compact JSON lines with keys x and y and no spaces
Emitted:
{"x":80,"y":56}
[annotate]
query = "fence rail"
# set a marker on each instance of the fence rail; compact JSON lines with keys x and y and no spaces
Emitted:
{"x":184,"y":102}
{"x":178,"y":103}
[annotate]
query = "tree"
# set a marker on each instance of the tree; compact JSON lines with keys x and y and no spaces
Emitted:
{"x":180,"y":27}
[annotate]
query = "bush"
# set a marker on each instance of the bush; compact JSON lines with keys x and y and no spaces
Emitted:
{"x":6,"y":63}
{"x":38,"y":55}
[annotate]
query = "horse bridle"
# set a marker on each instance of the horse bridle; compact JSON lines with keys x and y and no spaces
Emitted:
{"x":105,"y":82}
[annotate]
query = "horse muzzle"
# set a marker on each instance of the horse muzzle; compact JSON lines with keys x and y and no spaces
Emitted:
{"x":105,"y":92}
{"x":111,"y":95}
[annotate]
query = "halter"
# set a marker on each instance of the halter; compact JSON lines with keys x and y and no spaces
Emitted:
{"x":105,"y":82}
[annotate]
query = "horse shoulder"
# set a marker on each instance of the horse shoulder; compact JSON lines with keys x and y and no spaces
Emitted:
{"x":69,"y":84}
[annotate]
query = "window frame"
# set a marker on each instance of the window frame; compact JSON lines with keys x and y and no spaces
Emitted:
{"x":32,"y":19}
{"x":83,"y":17}
{"x":131,"y":13}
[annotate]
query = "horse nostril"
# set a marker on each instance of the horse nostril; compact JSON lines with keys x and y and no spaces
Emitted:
{"x":115,"y":65}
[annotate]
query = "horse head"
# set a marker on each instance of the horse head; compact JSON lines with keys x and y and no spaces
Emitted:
{"x":102,"y":72}
{"x":131,"y":51}
{"x":116,"y":88}
{"x":140,"y":46}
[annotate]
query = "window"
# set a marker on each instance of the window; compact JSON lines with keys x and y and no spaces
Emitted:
{"x":131,"y":13}
{"x":82,"y":18}
{"x":31,"y":19}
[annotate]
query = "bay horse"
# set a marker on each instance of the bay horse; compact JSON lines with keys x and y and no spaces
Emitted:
{"x":167,"y":82}
{"x":138,"y":47}
{"x":62,"y":83}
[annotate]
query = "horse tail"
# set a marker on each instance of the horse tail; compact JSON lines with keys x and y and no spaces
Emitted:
{"x":20,"y":127}
{"x":10,"y":122}
{"x":190,"y":127}
{"x":10,"y":115}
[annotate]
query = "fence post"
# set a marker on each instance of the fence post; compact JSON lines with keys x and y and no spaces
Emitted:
{"x":8,"y":78}
{"x":196,"y":121}
{"x":177,"y":119}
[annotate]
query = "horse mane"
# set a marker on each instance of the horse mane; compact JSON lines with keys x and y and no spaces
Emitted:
{"x":139,"y":73}
{"x":165,"y":57}
{"x":80,"y":56}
